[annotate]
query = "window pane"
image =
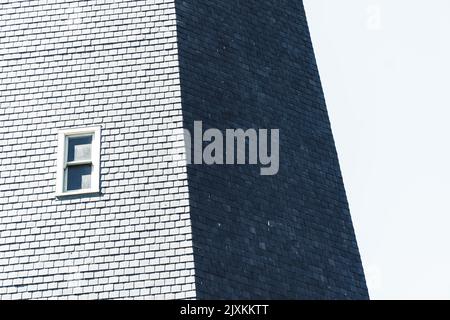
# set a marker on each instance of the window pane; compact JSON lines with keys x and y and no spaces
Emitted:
{"x":79,"y":148}
{"x":79,"y":177}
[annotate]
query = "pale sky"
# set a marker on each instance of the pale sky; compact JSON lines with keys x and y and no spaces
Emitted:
{"x":385,"y":69}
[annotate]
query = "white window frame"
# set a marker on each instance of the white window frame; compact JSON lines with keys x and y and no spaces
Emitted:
{"x":63,"y":138}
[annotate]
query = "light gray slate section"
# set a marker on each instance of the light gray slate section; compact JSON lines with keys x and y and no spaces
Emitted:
{"x":66,"y":64}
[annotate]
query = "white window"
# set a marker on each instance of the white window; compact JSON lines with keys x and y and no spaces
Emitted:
{"x":78,"y":169}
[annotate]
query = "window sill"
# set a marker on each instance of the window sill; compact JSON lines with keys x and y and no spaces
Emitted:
{"x":77,"y":193}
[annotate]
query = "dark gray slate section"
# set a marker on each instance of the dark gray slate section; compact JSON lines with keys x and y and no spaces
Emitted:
{"x":250,"y":64}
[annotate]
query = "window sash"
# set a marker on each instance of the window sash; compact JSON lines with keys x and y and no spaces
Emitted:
{"x":77,"y":163}
{"x":66,"y":145}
